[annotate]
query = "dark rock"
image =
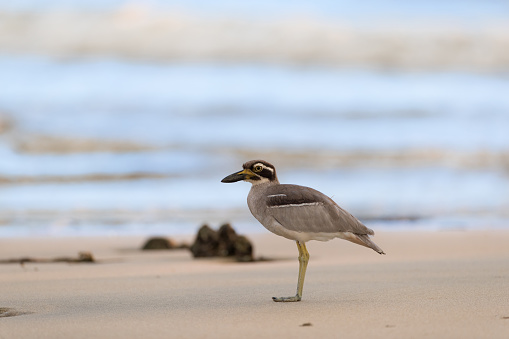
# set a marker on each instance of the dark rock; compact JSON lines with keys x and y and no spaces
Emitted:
{"x":206,"y":243}
{"x":227,"y":238}
{"x":243,"y":249}
{"x":223,"y":243}
{"x":158,"y":243}
{"x":85,"y":257}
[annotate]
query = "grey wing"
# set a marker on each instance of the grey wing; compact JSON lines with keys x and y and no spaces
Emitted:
{"x":304,"y":209}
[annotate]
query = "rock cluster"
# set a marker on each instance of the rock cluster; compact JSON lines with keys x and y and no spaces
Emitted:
{"x":222,"y":243}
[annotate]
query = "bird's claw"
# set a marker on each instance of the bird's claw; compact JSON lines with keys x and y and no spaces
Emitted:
{"x":287,"y":299}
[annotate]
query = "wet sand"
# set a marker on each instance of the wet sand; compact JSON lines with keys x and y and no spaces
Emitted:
{"x":451,"y":284}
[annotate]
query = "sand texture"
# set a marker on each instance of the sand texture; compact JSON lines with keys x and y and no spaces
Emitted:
{"x":451,"y":284}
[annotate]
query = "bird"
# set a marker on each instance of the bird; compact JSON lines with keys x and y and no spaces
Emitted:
{"x":297,"y":213}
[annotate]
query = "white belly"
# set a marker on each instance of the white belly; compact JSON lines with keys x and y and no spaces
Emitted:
{"x":276,"y":228}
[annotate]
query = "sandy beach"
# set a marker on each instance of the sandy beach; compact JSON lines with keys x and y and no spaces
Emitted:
{"x":452,"y":284}
{"x":119,"y":120}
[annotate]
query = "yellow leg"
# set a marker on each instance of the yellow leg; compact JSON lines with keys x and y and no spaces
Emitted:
{"x":303,"y":264}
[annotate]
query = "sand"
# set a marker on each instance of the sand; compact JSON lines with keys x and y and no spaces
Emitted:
{"x":452,"y":284}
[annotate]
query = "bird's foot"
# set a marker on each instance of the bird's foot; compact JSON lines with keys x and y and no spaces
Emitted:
{"x":287,"y":299}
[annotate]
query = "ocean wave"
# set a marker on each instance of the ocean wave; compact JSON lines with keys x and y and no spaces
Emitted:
{"x":47,"y":144}
{"x":142,"y":33}
{"x":30,"y":180}
{"x":407,"y":158}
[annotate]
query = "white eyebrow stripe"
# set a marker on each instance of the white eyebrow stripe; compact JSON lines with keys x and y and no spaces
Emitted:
{"x":265,"y":167}
{"x":297,"y":205}
{"x":276,"y":195}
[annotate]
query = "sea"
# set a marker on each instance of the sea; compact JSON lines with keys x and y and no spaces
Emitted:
{"x":122,"y":117}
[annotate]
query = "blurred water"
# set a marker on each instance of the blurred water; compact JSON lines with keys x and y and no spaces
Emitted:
{"x":471,"y":10}
{"x":200,"y":122}
{"x":92,"y":143}
{"x":342,"y":108}
{"x":388,"y":34}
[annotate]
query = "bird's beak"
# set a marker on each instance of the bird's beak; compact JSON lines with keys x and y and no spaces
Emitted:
{"x":238,"y":176}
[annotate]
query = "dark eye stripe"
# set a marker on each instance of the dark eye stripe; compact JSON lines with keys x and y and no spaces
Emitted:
{"x":266,"y":173}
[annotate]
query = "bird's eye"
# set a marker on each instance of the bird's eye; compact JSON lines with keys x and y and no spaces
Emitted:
{"x":258,"y":168}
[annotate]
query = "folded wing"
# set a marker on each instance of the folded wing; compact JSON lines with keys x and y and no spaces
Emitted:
{"x":304,"y":209}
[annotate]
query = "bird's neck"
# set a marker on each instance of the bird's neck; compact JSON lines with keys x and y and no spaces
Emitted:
{"x":257,"y":190}
{"x":263,"y":184}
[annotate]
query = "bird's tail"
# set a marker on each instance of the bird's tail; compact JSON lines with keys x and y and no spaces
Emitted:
{"x":364,"y":240}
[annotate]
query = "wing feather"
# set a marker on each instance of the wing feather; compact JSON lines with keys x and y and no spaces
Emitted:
{"x":303,"y":209}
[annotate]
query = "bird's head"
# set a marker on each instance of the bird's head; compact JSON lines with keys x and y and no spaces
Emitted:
{"x":255,"y":172}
